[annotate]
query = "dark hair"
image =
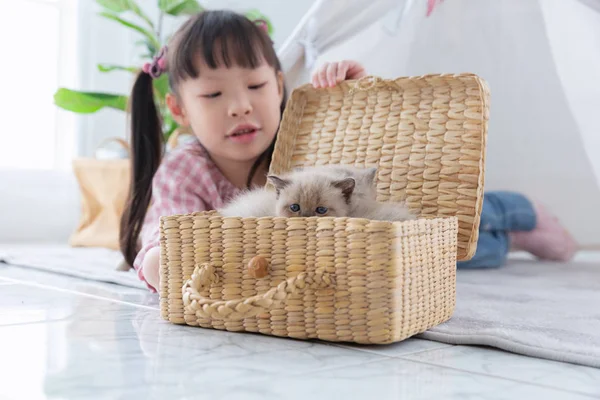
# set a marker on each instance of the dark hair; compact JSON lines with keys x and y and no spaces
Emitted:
{"x":222,"y":38}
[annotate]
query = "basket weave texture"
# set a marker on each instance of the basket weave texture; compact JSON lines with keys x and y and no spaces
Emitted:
{"x":346,"y":279}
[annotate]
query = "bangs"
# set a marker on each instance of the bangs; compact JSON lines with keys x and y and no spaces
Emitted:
{"x":222,"y":39}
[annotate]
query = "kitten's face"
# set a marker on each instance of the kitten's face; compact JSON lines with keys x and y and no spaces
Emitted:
{"x":313,"y":197}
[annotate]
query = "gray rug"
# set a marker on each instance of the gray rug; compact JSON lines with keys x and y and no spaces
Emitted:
{"x":542,"y":310}
{"x":539,"y":309}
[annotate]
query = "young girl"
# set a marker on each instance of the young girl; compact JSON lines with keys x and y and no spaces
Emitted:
{"x":227,"y":86}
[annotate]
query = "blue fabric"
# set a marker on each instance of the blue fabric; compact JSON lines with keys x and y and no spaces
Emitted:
{"x":502,"y":213}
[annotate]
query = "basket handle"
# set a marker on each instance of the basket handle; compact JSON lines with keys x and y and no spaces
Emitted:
{"x":370,"y":81}
{"x":239,"y":309}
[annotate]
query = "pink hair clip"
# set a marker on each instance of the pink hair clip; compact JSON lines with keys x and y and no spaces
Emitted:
{"x":262,"y":24}
{"x":158,"y":65}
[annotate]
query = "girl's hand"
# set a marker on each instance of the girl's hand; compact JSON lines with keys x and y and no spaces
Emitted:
{"x":330,"y":74}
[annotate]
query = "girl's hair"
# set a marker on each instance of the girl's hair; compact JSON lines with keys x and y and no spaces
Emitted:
{"x":221,"y":38}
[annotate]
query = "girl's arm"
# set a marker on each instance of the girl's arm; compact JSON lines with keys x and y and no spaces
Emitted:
{"x":176,"y":189}
{"x":330,"y":74}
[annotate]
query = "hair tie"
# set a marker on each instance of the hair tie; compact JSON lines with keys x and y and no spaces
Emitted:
{"x":158,"y":65}
{"x":262,"y":24}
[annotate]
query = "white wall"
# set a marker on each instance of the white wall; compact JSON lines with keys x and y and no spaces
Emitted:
{"x":101,"y":41}
{"x":39,"y":206}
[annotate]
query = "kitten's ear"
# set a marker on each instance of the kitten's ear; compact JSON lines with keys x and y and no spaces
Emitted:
{"x":347,"y":186}
{"x":371,"y":174}
{"x":278,"y":182}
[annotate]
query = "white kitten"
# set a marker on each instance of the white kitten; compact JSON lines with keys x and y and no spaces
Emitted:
{"x":364,"y":202}
{"x":251,"y":203}
{"x":300,"y":193}
{"x":312,"y":193}
{"x":332,"y":190}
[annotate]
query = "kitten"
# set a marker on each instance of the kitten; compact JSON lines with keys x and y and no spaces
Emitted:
{"x":251,"y":203}
{"x":363,"y":202}
{"x":301,"y":193}
{"x":332,"y":190}
{"x":309,"y":193}
{"x":364,"y":178}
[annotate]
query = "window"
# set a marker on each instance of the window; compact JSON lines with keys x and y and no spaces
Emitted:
{"x":37,"y":56}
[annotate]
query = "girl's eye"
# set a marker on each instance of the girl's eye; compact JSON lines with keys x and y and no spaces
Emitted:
{"x":321,"y":210}
{"x":211,"y":95}
{"x":295,"y":207}
{"x":254,"y":87}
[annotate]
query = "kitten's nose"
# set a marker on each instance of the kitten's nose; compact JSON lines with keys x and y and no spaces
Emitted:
{"x":307,"y":214}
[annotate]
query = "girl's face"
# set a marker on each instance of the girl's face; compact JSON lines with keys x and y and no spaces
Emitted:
{"x":234,"y":112}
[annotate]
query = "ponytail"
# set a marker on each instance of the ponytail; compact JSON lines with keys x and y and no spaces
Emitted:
{"x":146,"y":154}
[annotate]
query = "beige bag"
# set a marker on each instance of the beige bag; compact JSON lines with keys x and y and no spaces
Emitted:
{"x":104,"y":187}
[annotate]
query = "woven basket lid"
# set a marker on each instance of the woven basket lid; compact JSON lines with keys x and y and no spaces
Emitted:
{"x":426,"y":135}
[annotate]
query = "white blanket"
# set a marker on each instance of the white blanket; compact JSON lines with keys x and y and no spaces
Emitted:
{"x":88,"y":263}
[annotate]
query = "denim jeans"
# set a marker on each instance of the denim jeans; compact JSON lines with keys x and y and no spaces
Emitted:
{"x":502,"y":213}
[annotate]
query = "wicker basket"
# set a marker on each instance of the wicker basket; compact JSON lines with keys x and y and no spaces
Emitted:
{"x":345,"y":279}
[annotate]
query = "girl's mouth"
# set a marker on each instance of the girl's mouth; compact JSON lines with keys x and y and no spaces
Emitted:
{"x":243,"y":132}
{"x":245,"y":135}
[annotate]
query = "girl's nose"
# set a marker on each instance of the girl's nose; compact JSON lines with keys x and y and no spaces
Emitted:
{"x":239,"y":109}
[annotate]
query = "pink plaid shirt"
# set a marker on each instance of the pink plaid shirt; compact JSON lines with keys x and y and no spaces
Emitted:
{"x":186,"y":181}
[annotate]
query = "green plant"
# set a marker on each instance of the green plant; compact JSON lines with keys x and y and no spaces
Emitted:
{"x":130,"y":15}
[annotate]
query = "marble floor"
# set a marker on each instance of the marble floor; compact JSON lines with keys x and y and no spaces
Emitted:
{"x":66,"y":338}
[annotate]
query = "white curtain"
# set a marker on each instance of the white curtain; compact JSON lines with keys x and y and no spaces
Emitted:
{"x":541,"y":59}
{"x":326,"y":25}
{"x":578,"y":66}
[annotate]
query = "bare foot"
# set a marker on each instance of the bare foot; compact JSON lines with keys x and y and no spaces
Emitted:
{"x":548,"y":241}
{"x":150,"y":267}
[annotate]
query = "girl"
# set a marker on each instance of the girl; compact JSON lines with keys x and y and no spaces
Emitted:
{"x":227,"y":86}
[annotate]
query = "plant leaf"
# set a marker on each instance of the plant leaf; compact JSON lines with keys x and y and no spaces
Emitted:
{"x":149,"y":47}
{"x":88,"y":102}
{"x":119,"y":6}
{"x":254,"y":14}
{"x":161,"y":86}
{"x":180,"y":7}
{"x":110,"y":68}
{"x":149,"y":35}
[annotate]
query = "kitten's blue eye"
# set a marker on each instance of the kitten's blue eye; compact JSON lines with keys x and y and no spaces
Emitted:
{"x":321,"y":210}
{"x":295,"y":207}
